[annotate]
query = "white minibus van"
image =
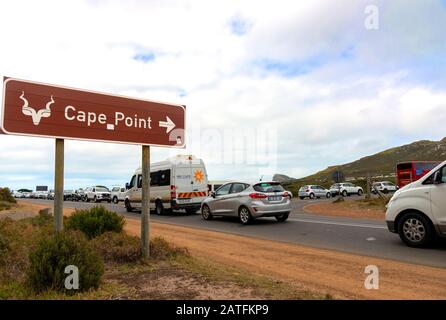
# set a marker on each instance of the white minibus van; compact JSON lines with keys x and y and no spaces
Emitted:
{"x":177,"y":183}
{"x":417,"y":212}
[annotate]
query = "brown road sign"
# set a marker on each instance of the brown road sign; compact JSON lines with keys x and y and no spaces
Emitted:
{"x":37,"y":109}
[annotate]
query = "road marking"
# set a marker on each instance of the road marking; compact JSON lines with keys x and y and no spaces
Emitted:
{"x":358,"y":225}
{"x":371,"y":239}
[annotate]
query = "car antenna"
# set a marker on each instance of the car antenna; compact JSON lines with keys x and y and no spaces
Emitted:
{"x":261,"y":177}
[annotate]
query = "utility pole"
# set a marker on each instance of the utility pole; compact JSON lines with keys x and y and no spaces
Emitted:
{"x":58,"y":185}
{"x":369,"y":186}
{"x":145,"y":202}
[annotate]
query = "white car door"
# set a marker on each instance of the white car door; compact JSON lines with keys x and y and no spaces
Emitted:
{"x":438,"y":201}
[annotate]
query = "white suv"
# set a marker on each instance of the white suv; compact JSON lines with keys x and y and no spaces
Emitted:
{"x":118,"y":194}
{"x":384,"y":187}
{"x":417,"y":212}
{"x":97,"y":194}
{"x":347,"y":189}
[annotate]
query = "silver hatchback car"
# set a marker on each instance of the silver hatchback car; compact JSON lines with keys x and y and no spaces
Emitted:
{"x":248,"y":201}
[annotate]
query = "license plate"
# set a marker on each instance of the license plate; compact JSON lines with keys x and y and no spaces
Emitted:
{"x":183,"y":200}
{"x":275,"y":198}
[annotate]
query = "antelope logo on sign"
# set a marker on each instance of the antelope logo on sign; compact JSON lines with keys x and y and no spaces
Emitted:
{"x":36,"y":115}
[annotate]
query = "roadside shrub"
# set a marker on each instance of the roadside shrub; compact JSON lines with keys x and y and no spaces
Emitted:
{"x":5,"y":195}
{"x":95,"y":221}
{"x":53,"y":254}
{"x":118,"y":247}
{"x":4,"y":205}
{"x":160,"y":249}
{"x":44,"y":218}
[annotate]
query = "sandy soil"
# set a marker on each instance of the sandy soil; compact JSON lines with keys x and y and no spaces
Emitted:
{"x":346,"y":209}
{"x":322,"y":271}
{"x":171,"y":283}
{"x":22,"y":210}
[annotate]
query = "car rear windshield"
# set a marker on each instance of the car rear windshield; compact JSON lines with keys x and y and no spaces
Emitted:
{"x":268,"y":187}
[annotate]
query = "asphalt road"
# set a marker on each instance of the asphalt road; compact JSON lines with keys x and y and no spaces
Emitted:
{"x":358,"y":236}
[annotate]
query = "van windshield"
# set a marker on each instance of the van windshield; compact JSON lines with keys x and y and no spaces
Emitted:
{"x":100,"y":189}
{"x":268,"y":187}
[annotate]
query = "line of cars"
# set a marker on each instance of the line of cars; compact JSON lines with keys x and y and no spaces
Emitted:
{"x":345,"y":189}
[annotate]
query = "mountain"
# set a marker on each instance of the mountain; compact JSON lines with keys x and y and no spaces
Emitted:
{"x":283,"y":178}
{"x":383,"y":163}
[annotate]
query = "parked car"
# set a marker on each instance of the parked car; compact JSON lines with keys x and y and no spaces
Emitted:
{"x":384,"y":187}
{"x":215,"y":184}
{"x":50,"y":195}
{"x":417,"y":212}
{"x":314,"y":191}
{"x":248,"y":201}
{"x":68,"y":195}
{"x":97,"y":194}
{"x":17,"y":194}
{"x":117,"y":194}
{"x":178,"y":183}
{"x":346,"y":189}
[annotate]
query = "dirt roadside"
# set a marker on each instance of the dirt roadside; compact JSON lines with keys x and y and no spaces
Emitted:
{"x":320,"y":271}
{"x":347,"y":209}
{"x":338,"y":274}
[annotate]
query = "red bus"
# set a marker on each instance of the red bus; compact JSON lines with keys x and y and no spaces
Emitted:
{"x":407,"y":172}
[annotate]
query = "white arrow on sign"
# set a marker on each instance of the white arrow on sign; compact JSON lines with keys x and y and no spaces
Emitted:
{"x":169,"y":124}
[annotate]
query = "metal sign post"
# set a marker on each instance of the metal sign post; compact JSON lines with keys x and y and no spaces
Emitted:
{"x":58,"y":185}
{"x":145,"y":202}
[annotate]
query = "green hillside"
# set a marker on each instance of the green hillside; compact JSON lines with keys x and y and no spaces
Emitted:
{"x":380,"y":164}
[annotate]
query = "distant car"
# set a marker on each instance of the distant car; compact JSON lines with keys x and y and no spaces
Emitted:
{"x":348,"y":189}
{"x":68,"y":195}
{"x":17,"y":194}
{"x":314,"y":191}
{"x":117,"y":194}
{"x":50,"y":195}
{"x":384,"y":187}
{"x":97,"y":194}
{"x":248,"y":201}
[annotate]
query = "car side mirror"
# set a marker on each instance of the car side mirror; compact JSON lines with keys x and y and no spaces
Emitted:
{"x":438,"y":177}
{"x":213,"y":194}
{"x":127,"y":186}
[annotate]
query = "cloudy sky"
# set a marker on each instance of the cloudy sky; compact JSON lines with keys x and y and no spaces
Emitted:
{"x":270,"y":86}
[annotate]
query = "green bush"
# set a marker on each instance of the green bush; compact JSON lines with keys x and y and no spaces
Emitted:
{"x":95,"y":221}
{"x":5,"y":195}
{"x":54,"y":253}
{"x":118,"y":247}
{"x":160,"y":249}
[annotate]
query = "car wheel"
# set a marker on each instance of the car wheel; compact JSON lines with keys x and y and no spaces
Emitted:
{"x":244,"y":215}
{"x":360,"y":192}
{"x":328,"y":195}
{"x":115,"y":200}
{"x":206,"y":212}
{"x":311,"y":196}
{"x":385,"y":191}
{"x":415,"y":230}
{"x":128,"y":206}
{"x":95,"y":199}
{"x":159,"y":209}
{"x":283,"y":217}
{"x":344,"y":193}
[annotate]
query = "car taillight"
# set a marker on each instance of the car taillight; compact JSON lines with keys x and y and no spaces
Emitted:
{"x":173,"y":192}
{"x":308,"y":190}
{"x":256,"y":195}
{"x":286,"y":194}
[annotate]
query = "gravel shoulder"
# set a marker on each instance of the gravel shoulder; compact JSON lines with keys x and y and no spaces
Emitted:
{"x":349,"y":209}
{"x":335,"y":274}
